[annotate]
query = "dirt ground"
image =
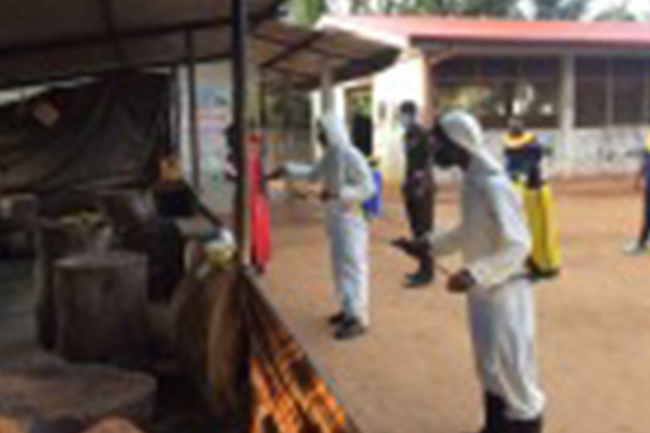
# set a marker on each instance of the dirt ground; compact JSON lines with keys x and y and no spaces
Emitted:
{"x":413,"y":372}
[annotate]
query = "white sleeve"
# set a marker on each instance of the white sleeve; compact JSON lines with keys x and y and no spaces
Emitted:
{"x":515,"y":242}
{"x":447,"y":242}
{"x":304,"y":171}
{"x":359,"y":184}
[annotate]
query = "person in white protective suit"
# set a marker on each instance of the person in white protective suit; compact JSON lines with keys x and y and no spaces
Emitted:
{"x":347,"y":182}
{"x":495,"y":243}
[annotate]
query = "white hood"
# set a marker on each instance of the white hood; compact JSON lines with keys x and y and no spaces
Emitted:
{"x":463,"y":129}
{"x":335,"y":130}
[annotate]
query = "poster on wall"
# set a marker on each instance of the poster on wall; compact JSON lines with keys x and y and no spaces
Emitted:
{"x":214,"y":117}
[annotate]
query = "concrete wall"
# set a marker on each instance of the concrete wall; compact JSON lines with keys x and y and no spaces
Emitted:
{"x":588,"y":151}
{"x":404,"y":81}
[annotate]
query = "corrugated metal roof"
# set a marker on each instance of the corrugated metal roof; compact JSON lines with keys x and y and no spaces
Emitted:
{"x":42,"y":40}
{"x":301,"y":54}
{"x":413,"y":29}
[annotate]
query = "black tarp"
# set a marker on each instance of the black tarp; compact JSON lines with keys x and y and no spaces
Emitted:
{"x":104,"y":131}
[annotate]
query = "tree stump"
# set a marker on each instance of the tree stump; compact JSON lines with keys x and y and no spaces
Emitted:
{"x":53,"y":241}
{"x":101,"y":306}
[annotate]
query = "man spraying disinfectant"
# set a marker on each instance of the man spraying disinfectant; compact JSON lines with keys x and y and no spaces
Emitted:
{"x":495,"y":242}
{"x":347,"y":183}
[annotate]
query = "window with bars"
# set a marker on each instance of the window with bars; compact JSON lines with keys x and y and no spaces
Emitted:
{"x":496,"y":89}
{"x":612,"y":91}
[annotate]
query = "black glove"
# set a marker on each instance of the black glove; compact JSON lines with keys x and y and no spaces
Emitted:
{"x":276,"y":174}
{"x":461,"y":282}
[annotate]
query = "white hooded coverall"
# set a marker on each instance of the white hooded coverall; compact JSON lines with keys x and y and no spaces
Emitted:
{"x":495,"y":242}
{"x":346,"y":175}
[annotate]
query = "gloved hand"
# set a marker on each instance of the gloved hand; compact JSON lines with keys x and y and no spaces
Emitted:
{"x":461,"y":282}
{"x":276,"y":174}
{"x":326,"y":195}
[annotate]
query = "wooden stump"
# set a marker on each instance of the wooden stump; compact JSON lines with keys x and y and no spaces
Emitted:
{"x":62,"y":398}
{"x":101,"y":306}
{"x":54,"y":241}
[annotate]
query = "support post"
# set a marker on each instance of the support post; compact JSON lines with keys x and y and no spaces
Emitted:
{"x":609,"y":105}
{"x":176,"y":116}
{"x":567,"y":109}
{"x":288,"y":132}
{"x":428,"y":109}
{"x":327,"y":91}
{"x":239,"y":108}
{"x":195,"y":145}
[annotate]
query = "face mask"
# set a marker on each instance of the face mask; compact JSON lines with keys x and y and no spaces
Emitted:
{"x":446,"y":153}
{"x":322,"y":136}
{"x":445,"y":157}
{"x":406,"y":120}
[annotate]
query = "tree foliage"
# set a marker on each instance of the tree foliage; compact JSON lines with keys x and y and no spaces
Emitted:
{"x":308,"y":11}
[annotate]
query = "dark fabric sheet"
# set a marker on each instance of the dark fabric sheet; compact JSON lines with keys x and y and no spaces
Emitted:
{"x":95,"y":132}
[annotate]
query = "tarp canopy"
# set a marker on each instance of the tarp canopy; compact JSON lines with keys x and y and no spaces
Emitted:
{"x":105,"y":131}
{"x":44,"y":40}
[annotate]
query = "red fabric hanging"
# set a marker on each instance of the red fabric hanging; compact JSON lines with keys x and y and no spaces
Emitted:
{"x":260,"y":213}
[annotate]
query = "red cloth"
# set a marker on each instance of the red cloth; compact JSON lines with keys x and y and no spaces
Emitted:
{"x":260,"y":212}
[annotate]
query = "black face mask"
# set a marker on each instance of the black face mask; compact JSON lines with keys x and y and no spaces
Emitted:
{"x":322,"y":136}
{"x":446,"y":153}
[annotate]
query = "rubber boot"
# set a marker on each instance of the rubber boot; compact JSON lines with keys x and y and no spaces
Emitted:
{"x":532,"y":426}
{"x":495,"y":414}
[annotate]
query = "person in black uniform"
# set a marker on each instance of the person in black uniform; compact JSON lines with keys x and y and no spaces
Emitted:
{"x":418,"y":190}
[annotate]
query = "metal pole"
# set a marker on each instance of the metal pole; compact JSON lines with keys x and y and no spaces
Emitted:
{"x":239,"y":109}
{"x":176,"y":115}
{"x":327,"y":93}
{"x":195,"y":146}
{"x":567,"y":108}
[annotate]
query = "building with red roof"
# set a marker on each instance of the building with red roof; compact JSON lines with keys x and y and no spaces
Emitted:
{"x":585,"y":86}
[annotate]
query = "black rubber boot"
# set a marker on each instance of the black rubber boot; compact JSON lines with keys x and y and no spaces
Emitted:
{"x":532,"y":426}
{"x":350,"y":328}
{"x":495,"y":414}
{"x":418,"y":280}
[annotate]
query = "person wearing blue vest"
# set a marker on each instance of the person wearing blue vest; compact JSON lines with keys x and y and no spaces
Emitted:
{"x":641,"y":245}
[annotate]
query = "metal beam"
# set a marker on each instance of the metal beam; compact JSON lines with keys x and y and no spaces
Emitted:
{"x":92,"y":39}
{"x":195,"y":145}
{"x":318,"y":51}
{"x":240,"y":26}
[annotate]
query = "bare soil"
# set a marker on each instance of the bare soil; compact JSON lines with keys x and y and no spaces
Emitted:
{"x":413,"y":373}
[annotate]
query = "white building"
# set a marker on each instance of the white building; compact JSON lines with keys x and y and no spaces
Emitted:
{"x":585,"y":87}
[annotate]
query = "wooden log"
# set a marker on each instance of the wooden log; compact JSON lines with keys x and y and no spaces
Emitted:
{"x":64,"y":398}
{"x":101,"y":306}
{"x":53,"y":241}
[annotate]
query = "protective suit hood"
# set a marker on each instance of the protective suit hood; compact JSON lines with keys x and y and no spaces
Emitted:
{"x":335,"y":131}
{"x":464,"y":130}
